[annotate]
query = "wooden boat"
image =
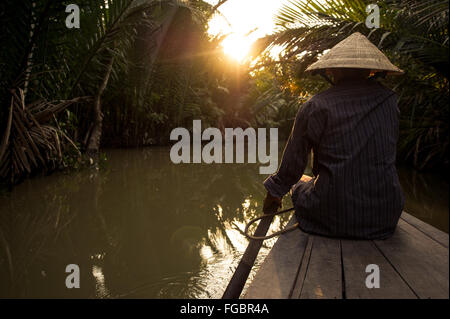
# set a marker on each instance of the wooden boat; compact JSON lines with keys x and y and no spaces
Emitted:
{"x":413,"y":263}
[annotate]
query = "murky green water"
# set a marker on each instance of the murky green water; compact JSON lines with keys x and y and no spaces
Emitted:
{"x":146,"y":228}
{"x":426,"y":196}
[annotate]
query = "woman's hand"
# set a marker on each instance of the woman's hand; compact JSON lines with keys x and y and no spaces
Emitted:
{"x":271,"y":204}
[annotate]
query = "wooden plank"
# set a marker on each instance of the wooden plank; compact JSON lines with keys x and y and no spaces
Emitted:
{"x":298,"y":285}
{"x":420,"y":261}
{"x":438,"y":235}
{"x":356,"y":255}
{"x":275,"y":278}
{"x":323,"y":279}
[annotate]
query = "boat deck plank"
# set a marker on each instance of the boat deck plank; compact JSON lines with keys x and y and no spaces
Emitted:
{"x":413,"y":263}
{"x":323,"y":275}
{"x":421,"y":261}
{"x":430,"y":231}
{"x":279,"y":270}
{"x":357,"y":255}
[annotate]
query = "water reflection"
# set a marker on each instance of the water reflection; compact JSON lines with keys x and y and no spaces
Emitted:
{"x":140,"y":228}
{"x":100,"y":287}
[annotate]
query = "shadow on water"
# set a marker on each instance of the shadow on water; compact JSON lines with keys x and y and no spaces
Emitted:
{"x":146,"y":228}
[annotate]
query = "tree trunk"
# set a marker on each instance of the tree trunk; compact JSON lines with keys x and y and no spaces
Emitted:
{"x":93,"y":145}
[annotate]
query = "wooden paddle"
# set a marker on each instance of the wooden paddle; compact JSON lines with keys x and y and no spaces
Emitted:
{"x":240,"y":276}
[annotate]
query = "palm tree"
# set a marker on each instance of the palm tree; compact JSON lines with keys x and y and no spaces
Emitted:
{"x":46,"y":68}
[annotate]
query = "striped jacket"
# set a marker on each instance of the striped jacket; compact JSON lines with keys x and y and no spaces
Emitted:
{"x":352,"y":129}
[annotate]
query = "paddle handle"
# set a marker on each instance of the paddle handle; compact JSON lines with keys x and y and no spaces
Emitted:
{"x":237,"y":282}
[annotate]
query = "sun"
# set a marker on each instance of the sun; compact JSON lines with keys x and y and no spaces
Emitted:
{"x":237,"y":46}
{"x":243,"y":29}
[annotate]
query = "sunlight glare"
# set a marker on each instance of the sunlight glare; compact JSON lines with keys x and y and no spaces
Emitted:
{"x":237,"y":46}
{"x":101,"y":290}
{"x":239,"y":20}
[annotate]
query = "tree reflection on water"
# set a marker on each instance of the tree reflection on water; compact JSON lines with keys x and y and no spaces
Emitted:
{"x":141,"y":227}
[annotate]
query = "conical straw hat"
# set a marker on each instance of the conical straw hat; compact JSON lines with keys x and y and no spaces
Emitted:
{"x":357,"y":52}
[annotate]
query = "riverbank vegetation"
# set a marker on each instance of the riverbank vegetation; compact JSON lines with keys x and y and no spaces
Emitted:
{"x":136,"y":69}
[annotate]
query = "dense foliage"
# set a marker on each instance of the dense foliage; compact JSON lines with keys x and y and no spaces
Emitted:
{"x":131,"y":72}
{"x":138,"y":68}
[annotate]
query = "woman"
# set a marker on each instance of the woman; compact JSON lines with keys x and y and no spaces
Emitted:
{"x":352,"y":129}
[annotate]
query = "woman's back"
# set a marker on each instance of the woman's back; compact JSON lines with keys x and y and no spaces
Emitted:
{"x":356,"y":192}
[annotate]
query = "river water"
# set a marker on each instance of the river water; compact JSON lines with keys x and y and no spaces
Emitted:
{"x":142,"y":227}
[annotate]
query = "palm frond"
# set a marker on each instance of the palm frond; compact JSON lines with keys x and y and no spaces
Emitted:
{"x":29,"y":143}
